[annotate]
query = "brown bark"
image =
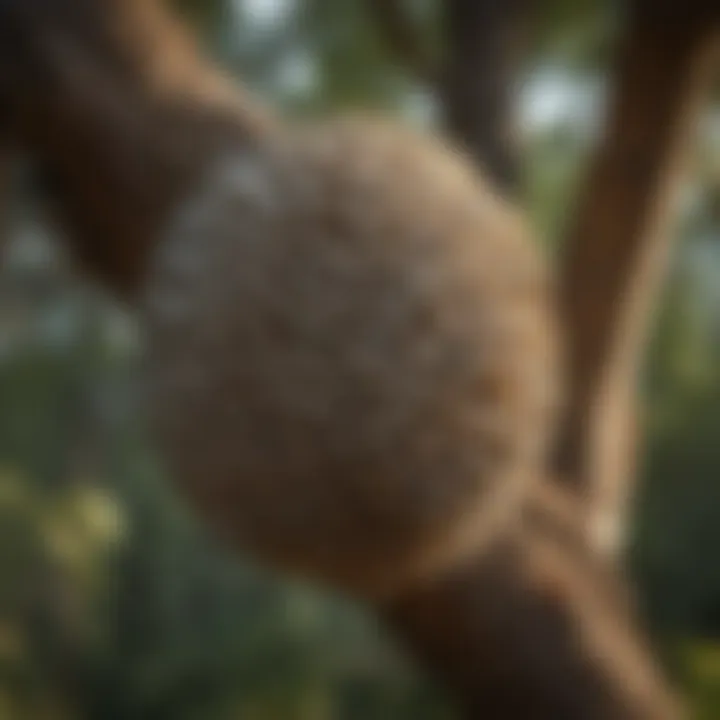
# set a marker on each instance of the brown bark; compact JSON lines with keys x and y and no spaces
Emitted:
{"x":484,"y":41}
{"x":538,"y":629}
{"x":617,"y":249}
{"x":122,"y":113}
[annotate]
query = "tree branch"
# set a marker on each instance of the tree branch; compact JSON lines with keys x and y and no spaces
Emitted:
{"x":539,"y":629}
{"x":617,"y":249}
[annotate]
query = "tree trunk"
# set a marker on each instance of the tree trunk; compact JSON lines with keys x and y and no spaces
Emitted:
{"x":485,"y":40}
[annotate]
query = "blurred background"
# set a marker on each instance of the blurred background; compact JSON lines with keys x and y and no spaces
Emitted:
{"x":113,"y":605}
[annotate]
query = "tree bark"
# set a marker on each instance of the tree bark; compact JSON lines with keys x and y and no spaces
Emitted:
{"x":617,"y":251}
{"x":537,"y":629}
{"x":485,"y":42}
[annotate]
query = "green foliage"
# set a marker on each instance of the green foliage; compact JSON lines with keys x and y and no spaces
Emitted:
{"x":702,"y":670}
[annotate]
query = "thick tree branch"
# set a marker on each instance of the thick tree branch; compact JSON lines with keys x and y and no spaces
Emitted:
{"x":539,"y":629}
{"x":617,"y":247}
